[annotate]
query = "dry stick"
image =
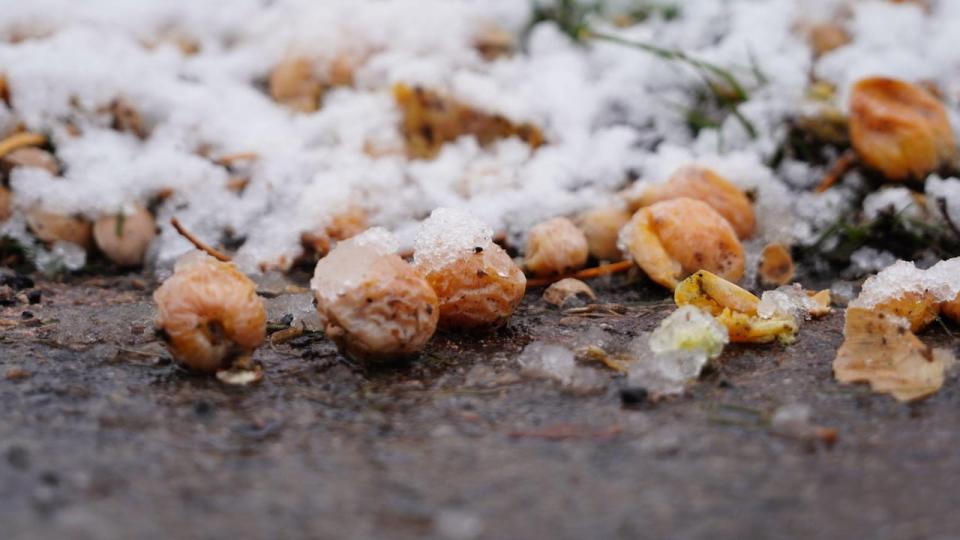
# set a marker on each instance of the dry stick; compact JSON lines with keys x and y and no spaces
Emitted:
{"x":197,"y":242}
{"x":20,"y":140}
{"x":228,"y":159}
{"x":597,"y":271}
{"x":842,"y":166}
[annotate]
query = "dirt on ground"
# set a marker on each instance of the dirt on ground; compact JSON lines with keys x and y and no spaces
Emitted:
{"x":102,"y":437}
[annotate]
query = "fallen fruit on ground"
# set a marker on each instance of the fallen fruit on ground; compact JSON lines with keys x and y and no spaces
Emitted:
{"x":703,"y":184}
{"x":776,"y":265}
{"x":555,"y":247}
{"x":342,"y":225}
{"x":899,"y":129}
{"x":952,"y":309}
{"x":374,"y":305}
{"x":294,"y":83}
{"x":602,"y":228}
{"x":31,"y":157}
{"x":672,"y":239}
{"x":209,"y":314}
{"x":901,"y":290}
{"x":879,"y":349}
{"x":125,"y":236}
{"x":478,"y":285}
{"x":826,"y":37}
{"x":51,"y":227}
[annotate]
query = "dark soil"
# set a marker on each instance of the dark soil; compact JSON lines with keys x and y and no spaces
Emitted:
{"x":102,"y":437}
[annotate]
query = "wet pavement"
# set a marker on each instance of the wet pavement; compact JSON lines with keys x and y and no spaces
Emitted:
{"x":102,"y":437}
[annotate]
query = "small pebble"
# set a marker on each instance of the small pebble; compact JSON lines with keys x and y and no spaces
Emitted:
{"x":34,"y":296}
{"x":633,"y":396}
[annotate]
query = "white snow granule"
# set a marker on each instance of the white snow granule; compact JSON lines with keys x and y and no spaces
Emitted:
{"x":194,"y":71}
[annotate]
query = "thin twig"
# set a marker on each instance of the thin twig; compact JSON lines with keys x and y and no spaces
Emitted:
{"x":20,"y":140}
{"x":229,"y":159}
{"x":842,"y":166}
{"x":200,"y":244}
{"x":945,"y":327}
{"x":597,"y":271}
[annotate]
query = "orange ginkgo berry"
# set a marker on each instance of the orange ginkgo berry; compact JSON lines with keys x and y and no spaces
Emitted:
{"x":209,"y":313}
{"x":672,"y":239}
{"x":899,"y":129}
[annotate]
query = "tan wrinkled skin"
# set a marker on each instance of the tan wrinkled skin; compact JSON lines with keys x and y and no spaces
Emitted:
{"x":137,"y":230}
{"x":480,"y":291}
{"x":391,"y":314}
{"x":702,"y":184}
{"x":49,"y":227}
{"x":601,"y":227}
{"x":899,"y":129}
{"x":210,"y":314}
{"x":555,"y":247}
{"x":672,"y":239}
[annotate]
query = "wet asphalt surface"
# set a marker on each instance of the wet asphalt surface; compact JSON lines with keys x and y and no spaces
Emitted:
{"x":101,"y":437}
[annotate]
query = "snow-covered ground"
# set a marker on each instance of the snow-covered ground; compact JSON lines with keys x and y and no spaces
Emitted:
{"x":610,"y":113}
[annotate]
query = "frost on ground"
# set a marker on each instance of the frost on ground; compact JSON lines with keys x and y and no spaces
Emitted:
{"x":195,"y":73}
{"x":558,"y":363}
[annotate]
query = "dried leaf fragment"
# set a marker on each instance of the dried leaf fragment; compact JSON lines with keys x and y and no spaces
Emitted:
{"x":566,"y":290}
{"x":431,"y":120}
{"x":879,"y":349}
{"x":126,"y":118}
{"x":735,"y":308}
{"x":713,"y":294}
